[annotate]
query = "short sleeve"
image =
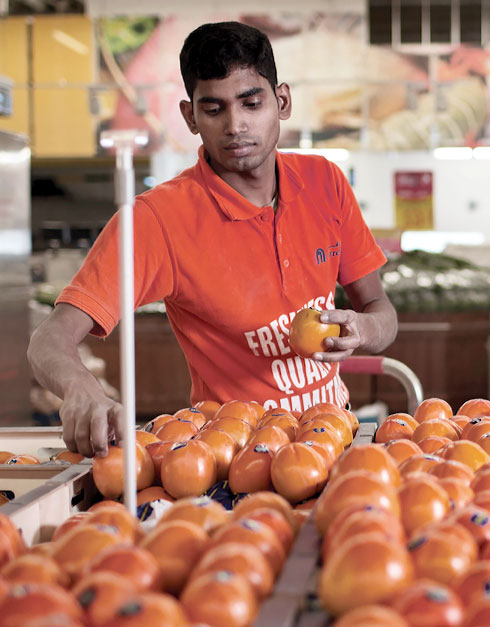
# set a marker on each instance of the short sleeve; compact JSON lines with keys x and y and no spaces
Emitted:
{"x":95,"y":287}
{"x":360,"y":254}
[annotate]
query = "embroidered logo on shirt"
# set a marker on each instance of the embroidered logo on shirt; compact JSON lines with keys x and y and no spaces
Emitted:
{"x":332,"y":251}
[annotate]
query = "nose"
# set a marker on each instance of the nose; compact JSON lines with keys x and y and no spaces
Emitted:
{"x":235,"y":123}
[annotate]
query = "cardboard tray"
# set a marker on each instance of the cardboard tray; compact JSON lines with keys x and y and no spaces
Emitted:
{"x":41,"y":442}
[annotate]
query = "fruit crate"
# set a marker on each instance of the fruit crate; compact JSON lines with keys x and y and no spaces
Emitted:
{"x":293,"y":602}
{"x":46,"y":495}
{"x":42,"y":442}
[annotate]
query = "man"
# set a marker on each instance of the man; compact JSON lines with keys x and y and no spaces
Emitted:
{"x":235,"y":245}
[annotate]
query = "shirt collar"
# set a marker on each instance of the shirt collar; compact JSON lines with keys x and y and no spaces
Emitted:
{"x":232,"y":203}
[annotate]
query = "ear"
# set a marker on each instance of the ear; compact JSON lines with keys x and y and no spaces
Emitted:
{"x":188,"y":115}
{"x":283,"y":96}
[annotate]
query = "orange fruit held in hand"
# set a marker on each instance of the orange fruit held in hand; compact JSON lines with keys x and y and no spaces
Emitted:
{"x":307,"y":334}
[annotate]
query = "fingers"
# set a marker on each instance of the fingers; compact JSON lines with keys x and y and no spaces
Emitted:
{"x":116,"y":423}
{"x":82,"y":437}
{"x":68,"y":423}
{"x":99,"y":433}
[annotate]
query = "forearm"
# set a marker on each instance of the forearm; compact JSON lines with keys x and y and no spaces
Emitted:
{"x":378,"y":325}
{"x":56,"y":364}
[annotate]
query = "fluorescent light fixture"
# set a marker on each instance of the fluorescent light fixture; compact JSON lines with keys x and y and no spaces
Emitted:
{"x":454,"y":153}
{"x":481,"y":152}
{"x":436,"y":241}
{"x":123,"y":138}
{"x":332,"y":154}
{"x":70,"y":42}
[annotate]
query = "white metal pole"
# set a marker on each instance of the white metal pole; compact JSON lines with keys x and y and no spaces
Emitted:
{"x":124,"y":142}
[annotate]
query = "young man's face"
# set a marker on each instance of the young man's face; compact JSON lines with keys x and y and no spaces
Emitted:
{"x":238,"y":119}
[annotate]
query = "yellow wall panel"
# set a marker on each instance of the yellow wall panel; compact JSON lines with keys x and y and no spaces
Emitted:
{"x":18,"y":122}
{"x":13,"y":49}
{"x":63,"y":49}
{"x":63,"y":125}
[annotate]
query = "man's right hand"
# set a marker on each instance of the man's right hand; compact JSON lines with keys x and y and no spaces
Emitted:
{"x":90,"y":422}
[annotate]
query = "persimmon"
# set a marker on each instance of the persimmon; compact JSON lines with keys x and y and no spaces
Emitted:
{"x":354,"y":488}
{"x":243,"y":410}
{"x":307,"y":333}
{"x":432,"y":408}
{"x":208,"y":408}
{"x":68,"y":456}
{"x":224,"y":447}
{"x":12,"y":534}
{"x":422,"y":500}
{"x":274,"y":412}
{"x":69,"y":523}
{"x":30,"y":460}
{"x":265,"y":499}
{"x":100,"y":594}
{"x":284,"y":420}
{"x":473,"y":584}
{"x":460,"y":420}
{"x":221,"y":599}
{"x":326,"y":435}
{"x":4,"y":455}
{"x":153,"y":493}
{"x":475,"y":428}
{"x":193,"y":415}
{"x":137,"y":565}
{"x":250,"y":470}
{"x":426,"y":602}
{"x":321,"y":408}
{"x":108,"y":471}
{"x":458,"y":491}
{"x":157,"y":450}
{"x":365,"y":569}
{"x":32,"y":568}
{"x":150,"y":609}
{"x":236,"y":427}
{"x":26,"y":602}
{"x":74,"y":550}
{"x":467,"y":452}
{"x":452,"y":468}
{"x":253,"y":532}
{"x":298,"y":472}
{"x":121,"y":520}
{"x":484,"y":442}
{"x":341,"y":425}
{"x":475,"y":407}
{"x":435,"y":426}
{"x":363,"y":521}
{"x":270,"y":435}
{"x":104,"y":503}
{"x":393,"y":429}
{"x":177,"y":545}
{"x":188,"y":469}
{"x":145,"y":437}
{"x":475,"y":519}
{"x":177,"y":430}
{"x":154,"y":424}
{"x":277,"y":522}
{"x":402,"y":449}
{"x":354,"y":421}
{"x":371,"y":615}
{"x":478,"y":613}
{"x":368,"y":457}
{"x":241,"y":559}
{"x":201,"y":510}
{"x":417,"y":463}
{"x":432,"y":444}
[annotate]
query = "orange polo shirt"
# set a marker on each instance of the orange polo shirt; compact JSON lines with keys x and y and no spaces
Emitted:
{"x":233,"y":276}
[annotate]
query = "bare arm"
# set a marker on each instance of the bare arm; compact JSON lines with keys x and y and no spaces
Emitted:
{"x":87,"y":415}
{"x":371,"y":326}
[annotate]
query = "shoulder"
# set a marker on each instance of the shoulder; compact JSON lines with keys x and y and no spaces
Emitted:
{"x":311,"y":165}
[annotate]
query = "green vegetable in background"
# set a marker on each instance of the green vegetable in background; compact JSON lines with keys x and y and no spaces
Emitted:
{"x":124,"y":34}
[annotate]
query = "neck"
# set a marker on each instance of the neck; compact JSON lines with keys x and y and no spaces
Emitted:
{"x":258,"y":186}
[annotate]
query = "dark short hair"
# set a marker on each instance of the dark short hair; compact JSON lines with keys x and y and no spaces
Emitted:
{"x":213,"y":50}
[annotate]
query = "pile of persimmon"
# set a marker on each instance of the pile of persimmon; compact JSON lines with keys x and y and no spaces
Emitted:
{"x":405,"y":522}
{"x":199,"y":563}
{"x":186,"y":453}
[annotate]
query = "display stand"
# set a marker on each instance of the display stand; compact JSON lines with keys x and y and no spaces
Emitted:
{"x":124,"y":143}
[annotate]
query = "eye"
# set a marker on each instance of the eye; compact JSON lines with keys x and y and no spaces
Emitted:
{"x":213,"y":110}
{"x":253,"y":104}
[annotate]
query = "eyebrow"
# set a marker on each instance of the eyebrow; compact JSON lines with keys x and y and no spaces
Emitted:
{"x":246,"y":94}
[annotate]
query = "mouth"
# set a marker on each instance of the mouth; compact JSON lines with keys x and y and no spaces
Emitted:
{"x":239,"y":149}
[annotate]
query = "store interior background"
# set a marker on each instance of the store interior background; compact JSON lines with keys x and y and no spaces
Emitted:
{"x":379,"y":94}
